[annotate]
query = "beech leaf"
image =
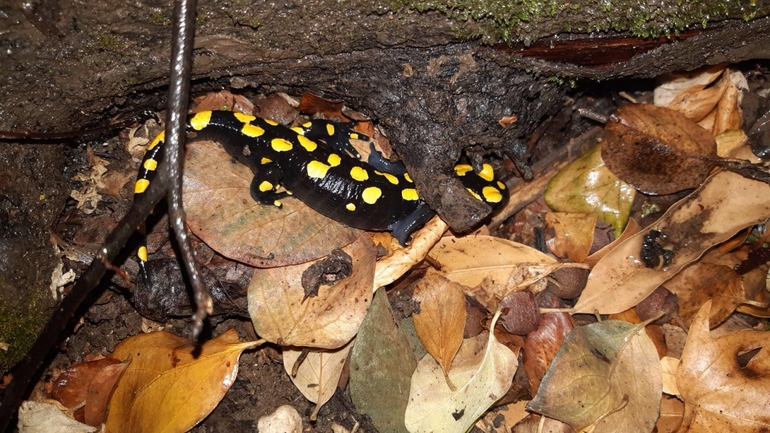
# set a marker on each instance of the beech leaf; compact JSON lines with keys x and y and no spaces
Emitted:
{"x":471,"y":259}
{"x":720,"y":395}
{"x":281,"y":314}
{"x":587,"y":186}
{"x":88,"y":385}
{"x":657,"y":150}
{"x":482,"y":372}
{"x":441,"y":320}
{"x":725,"y":204}
{"x":170,"y":384}
{"x":220,"y":211}
{"x":605,"y":375}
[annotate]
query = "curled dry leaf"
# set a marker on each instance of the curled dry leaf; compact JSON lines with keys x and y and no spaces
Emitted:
{"x":605,"y":375}
{"x":171,"y":384}
{"x":441,"y":320}
{"x":725,"y":204}
{"x":401,"y":260}
{"x":482,"y":372}
{"x":88,"y":385}
{"x":720,"y":395}
{"x":587,"y":186}
{"x":318,"y":374}
{"x":657,"y":150}
{"x":471,"y":259}
{"x":670,"y":85}
{"x":220,"y":211}
{"x":574,"y":234}
{"x":282,"y":315}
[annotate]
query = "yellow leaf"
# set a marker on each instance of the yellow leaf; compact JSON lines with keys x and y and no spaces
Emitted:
{"x":166,"y":388}
{"x":574,"y":234}
{"x":441,"y":320}
{"x":587,"y":186}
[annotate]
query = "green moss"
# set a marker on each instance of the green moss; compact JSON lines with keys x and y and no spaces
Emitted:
{"x":505,"y":19}
{"x":19,"y":329}
{"x":159,"y":19}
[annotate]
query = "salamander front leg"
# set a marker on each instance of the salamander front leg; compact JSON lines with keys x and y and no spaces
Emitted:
{"x":264,"y":187}
{"x":403,"y":229}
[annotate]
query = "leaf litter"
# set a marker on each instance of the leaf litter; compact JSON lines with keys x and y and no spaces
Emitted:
{"x":592,"y":376}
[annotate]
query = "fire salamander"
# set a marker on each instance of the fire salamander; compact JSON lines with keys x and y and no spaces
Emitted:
{"x":315,"y":163}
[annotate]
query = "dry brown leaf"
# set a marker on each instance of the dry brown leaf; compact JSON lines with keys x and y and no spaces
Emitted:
{"x":541,"y":346}
{"x":729,"y":115}
{"x":574,"y":234}
{"x":282,"y":315}
{"x":605,"y":375}
{"x":171,"y":384}
{"x":318,"y":374}
{"x":49,"y":417}
{"x":701,"y":282}
{"x":719,"y":395}
{"x":671,"y":410}
{"x":220,"y":211}
{"x":668,"y":367}
{"x":471,"y":259}
{"x":725,"y":204}
{"x":441,"y":319}
{"x":657,"y":150}
{"x":90,"y":385}
{"x":631,"y":229}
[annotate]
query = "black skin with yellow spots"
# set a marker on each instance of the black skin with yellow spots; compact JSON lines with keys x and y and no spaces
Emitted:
{"x":315,"y":163}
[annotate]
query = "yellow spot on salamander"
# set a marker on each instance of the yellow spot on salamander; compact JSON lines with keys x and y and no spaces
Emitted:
{"x":142,"y":253}
{"x":371,"y":195}
{"x":350,"y":206}
{"x":330,"y":129}
{"x":150,"y":164}
{"x":307,"y":125}
{"x":298,"y":130}
{"x":487,"y":173}
{"x":265,"y":161}
{"x":280,"y":145}
{"x":474,"y":193}
{"x":277,"y":203}
{"x":500,"y":185}
{"x":317,"y":169}
{"x":334,"y":159}
{"x":392,"y":179}
{"x":408,"y":178}
{"x":492,"y":194}
{"x":271,"y":122}
{"x":250,"y":130}
{"x":353,"y":136}
{"x":359,"y":174}
{"x":159,"y":138}
{"x":307,"y":143}
{"x":200,"y":120}
{"x":409,"y":194}
{"x":141,"y":186}
{"x":265,"y":186}
{"x":243,"y":117}
{"x":462,"y":169}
